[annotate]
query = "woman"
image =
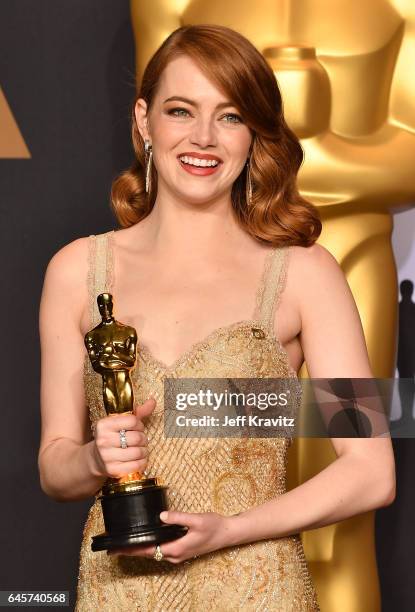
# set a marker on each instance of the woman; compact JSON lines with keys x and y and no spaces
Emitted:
{"x":211,"y":218}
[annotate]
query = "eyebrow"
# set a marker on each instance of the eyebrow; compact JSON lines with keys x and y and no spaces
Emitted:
{"x":193,"y":103}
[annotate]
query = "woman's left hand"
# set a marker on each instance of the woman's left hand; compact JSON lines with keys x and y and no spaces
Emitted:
{"x":207,"y":532}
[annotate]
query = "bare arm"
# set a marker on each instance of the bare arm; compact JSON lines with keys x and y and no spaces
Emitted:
{"x":362,"y":477}
{"x":73,"y":466}
{"x":67,"y":465}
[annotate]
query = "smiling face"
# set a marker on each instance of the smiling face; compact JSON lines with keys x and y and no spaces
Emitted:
{"x":190,"y":124}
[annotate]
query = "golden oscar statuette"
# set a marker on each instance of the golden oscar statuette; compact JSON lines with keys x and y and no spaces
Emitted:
{"x":131,"y":504}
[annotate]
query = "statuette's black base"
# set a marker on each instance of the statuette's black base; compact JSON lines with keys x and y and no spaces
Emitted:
{"x":133,"y":518}
{"x":156,"y":536}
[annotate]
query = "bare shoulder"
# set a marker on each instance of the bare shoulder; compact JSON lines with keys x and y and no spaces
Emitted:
{"x":318,"y":285}
{"x":68,"y":265}
{"x":332,"y":335}
{"x":314,"y":269}
{"x":65,"y":277}
{"x":314,"y":259}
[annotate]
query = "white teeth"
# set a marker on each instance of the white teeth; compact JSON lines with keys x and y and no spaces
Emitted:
{"x":195,"y":161}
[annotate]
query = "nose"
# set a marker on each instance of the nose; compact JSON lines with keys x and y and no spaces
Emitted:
{"x":204,"y":132}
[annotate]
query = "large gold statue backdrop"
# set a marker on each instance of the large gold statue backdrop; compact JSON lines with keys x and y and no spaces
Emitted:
{"x":344,"y":69}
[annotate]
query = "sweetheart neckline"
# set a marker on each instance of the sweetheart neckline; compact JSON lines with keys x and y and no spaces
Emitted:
{"x":254,"y":321}
{"x":184,"y":356}
{"x":188,"y":353}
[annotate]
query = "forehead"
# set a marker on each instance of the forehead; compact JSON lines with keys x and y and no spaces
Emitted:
{"x":182,"y":76}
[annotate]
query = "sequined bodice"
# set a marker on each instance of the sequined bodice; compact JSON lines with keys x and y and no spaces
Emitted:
{"x":224,"y":475}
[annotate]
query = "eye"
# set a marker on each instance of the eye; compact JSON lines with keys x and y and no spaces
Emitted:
{"x":234,"y":116}
{"x":173,"y":112}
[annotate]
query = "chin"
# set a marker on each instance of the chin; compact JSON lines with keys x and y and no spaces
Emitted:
{"x":197,"y":197}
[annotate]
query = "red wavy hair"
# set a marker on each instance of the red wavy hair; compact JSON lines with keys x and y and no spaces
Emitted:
{"x":279,"y":214}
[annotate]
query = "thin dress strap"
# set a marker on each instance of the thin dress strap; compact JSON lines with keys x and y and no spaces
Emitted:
{"x":100,"y":271}
{"x":272,"y":287}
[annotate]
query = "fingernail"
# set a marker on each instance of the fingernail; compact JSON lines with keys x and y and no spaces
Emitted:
{"x":163,"y":515}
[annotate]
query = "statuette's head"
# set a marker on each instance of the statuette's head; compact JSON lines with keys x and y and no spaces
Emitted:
{"x":105,"y":305}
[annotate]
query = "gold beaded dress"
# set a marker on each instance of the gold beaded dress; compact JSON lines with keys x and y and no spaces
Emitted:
{"x":224,"y":475}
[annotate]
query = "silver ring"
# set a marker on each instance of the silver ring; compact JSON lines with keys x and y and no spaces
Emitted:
{"x":158,"y":555}
{"x":123,"y":439}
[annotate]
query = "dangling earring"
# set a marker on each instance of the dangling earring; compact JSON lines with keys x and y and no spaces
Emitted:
{"x":248,"y":183}
{"x":148,"y":150}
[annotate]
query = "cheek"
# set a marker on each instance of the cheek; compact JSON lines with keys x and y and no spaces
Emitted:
{"x":237,"y":145}
{"x":162,"y":140}
{"x":168,"y":133}
{"x":163,"y":160}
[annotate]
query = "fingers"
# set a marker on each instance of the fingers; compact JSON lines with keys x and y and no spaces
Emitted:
{"x":117,"y":469}
{"x":113,"y":460}
{"x":134,"y":438}
{"x":145,"y":409}
{"x":115,"y":422}
{"x":117,"y":460}
{"x":169,"y":553}
{"x":134,"y":551}
{"x":123,"y":455}
{"x":192,"y":545}
{"x":181,"y":518}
